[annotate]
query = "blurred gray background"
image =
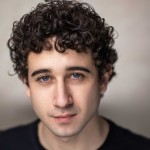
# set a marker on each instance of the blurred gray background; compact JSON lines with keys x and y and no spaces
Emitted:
{"x":127,"y":100}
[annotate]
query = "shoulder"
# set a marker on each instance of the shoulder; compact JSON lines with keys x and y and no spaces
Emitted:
{"x":126,"y":139}
{"x":17,"y":137}
{"x":132,"y":140}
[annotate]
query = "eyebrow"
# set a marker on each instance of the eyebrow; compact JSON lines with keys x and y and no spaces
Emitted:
{"x":73,"y":68}
{"x":78,"y":68}
{"x":40,"y":71}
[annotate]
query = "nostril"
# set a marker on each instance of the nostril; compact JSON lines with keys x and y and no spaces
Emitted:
{"x":62,"y":96}
{"x":63,"y":102}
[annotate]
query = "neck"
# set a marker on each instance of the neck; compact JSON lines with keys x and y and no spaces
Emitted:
{"x":91,"y":137}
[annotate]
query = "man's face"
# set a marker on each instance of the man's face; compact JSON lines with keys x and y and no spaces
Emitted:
{"x":64,"y":90}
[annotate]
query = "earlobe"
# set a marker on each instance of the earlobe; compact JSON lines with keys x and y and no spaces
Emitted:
{"x":103,"y":86}
{"x":104,"y":82}
{"x":27,"y":88}
{"x":28,"y":91}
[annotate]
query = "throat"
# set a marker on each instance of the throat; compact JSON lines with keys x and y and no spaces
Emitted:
{"x":91,"y":138}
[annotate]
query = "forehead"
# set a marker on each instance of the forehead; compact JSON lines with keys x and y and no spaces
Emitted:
{"x":52,"y":58}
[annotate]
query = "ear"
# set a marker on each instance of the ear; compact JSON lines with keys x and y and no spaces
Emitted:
{"x":105,"y":80}
{"x":28,"y":91}
{"x":27,"y":87}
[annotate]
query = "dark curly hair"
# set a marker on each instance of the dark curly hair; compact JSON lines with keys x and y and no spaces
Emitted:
{"x":75,"y":25}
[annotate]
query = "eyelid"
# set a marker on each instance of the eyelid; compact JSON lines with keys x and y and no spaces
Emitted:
{"x":69,"y":76}
{"x":42,"y":76}
{"x":81,"y":75}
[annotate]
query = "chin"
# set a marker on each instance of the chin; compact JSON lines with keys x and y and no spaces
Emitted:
{"x":66,"y":131}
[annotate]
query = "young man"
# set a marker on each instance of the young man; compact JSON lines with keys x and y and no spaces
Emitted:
{"x":63,"y":52}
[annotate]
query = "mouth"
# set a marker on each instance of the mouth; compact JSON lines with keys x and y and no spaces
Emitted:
{"x":63,"y":119}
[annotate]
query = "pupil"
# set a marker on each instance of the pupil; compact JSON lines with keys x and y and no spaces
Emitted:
{"x":76,"y":75}
{"x":45,"y":78}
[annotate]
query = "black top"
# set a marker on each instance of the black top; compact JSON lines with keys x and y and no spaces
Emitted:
{"x":26,"y":138}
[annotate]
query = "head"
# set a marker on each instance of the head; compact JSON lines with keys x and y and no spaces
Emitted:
{"x":75,"y":25}
{"x":64,"y":30}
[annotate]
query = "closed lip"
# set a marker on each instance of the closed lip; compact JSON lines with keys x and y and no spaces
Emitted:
{"x":65,"y":116}
{"x":64,"y":119}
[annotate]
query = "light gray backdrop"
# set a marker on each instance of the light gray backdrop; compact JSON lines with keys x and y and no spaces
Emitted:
{"x":127,"y":100}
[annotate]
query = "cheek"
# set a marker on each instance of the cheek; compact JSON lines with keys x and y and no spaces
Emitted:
{"x":88,"y":97}
{"x":39,"y":94}
{"x":92,"y":100}
{"x":40,"y":100}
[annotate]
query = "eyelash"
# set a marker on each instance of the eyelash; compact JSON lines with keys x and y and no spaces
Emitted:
{"x":41,"y":79}
{"x":47,"y":78}
{"x":80,"y":76}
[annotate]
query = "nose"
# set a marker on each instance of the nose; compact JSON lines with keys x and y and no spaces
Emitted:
{"x":62,"y":97}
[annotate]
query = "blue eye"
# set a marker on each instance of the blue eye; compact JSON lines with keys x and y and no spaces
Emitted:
{"x":76,"y":76}
{"x":43,"y":78}
{"x":46,"y":78}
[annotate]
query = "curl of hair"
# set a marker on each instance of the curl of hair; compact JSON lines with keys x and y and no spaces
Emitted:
{"x":75,"y":25}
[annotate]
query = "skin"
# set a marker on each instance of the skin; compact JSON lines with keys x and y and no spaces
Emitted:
{"x":65,"y":94}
